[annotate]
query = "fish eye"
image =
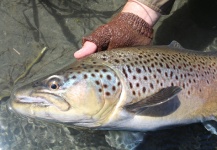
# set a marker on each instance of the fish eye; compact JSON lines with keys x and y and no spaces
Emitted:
{"x":53,"y":84}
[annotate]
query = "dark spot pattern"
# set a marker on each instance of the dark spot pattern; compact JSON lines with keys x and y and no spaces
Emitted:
{"x":145,"y":72}
{"x":102,"y":78}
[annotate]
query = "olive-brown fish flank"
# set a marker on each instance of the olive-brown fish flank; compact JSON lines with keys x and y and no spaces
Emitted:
{"x":148,"y":70}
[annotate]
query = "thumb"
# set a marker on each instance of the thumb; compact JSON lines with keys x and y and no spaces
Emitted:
{"x":87,"y":49}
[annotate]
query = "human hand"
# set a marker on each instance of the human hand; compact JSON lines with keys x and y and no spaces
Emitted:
{"x":126,"y":29}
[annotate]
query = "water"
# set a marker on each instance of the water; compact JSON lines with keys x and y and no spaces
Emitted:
{"x":26,"y":26}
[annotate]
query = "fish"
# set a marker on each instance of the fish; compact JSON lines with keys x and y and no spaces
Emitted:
{"x":143,"y":88}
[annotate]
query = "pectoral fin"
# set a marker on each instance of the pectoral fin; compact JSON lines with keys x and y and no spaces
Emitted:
{"x":158,"y":98}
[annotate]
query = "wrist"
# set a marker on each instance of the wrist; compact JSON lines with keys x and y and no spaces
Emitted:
{"x":141,"y":10}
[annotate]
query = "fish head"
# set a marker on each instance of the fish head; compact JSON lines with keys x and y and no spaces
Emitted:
{"x":75,"y":96}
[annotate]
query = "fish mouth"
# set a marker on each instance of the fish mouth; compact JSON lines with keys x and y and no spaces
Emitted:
{"x":42,"y":99}
{"x":37,"y":98}
{"x":33,"y":100}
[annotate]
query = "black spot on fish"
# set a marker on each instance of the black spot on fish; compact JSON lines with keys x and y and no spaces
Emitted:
{"x":97,"y":82}
{"x":100,"y":90}
{"x":107,"y":93}
{"x":105,"y":85}
{"x":177,"y":77}
{"x":183,"y":85}
{"x":143,"y":89}
{"x":161,"y":64}
{"x":93,"y":75}
{"x":167,"y":66}
{"x":138,"y":70}
{"x":125,"y":73}
{"x":158,"y":70}
{"x":117,"y":61}
{"x":155,"y":58}
{"x":108,"y":77}
{"x":131,"y":85}
{"x":134,"y":93}
{"x":137,"y":84}
{"x":85,"y":76}
{"x":149,"y":69}
{"x":189,"y":80}
{"x":113,"y":88}
{"x":166,"y":74}
{"x":161,"y":60}
{"x":104,"y":70}
{"x":189,"y":92}
{"x":144,"y":68}
{"x":156,"y":63}
{"x":134,"y":77}
{"x":171,"y":74}
{"x":145,"y":78}
{"x":128,"y":68}
{"x":152,"y":86}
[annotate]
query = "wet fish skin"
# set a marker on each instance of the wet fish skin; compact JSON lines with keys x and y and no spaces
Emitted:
{"x":100,"y":90}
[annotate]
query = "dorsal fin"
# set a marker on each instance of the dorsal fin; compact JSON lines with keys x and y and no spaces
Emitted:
{"x":158,"y":98}
{"x":175,"y":44}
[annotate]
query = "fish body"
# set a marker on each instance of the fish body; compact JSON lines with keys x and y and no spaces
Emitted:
{"x":137,"y":88}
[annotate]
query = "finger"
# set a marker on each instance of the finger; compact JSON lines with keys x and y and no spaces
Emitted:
{"x":87,"y":49}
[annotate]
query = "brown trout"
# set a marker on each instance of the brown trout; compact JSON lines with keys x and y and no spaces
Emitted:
{"x":135,"y":89}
